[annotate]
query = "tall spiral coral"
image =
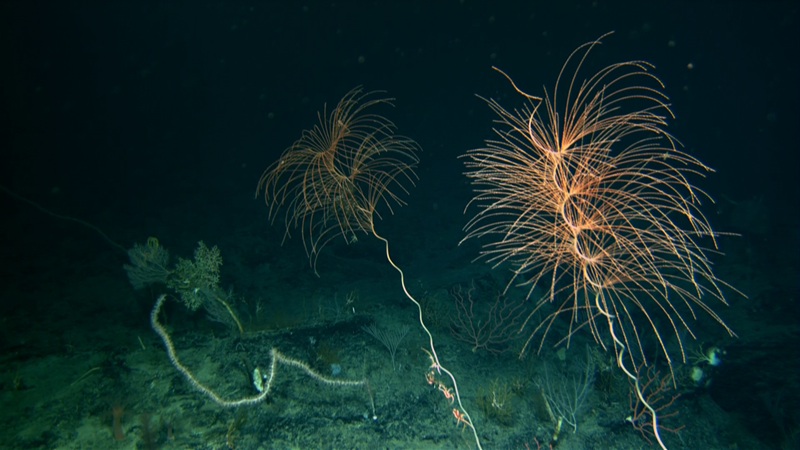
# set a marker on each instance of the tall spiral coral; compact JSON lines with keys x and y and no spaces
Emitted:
{"x":585,"y":194}
{"x":332,"y":178}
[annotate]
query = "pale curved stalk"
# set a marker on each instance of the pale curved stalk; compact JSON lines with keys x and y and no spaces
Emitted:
{"x":434,"y":356}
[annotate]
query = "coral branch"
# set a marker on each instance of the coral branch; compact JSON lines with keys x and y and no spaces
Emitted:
{"x":489,"y":331}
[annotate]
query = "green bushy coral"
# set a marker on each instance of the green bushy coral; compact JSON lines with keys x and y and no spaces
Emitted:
{"x":195,"y":281}
{"x":496,"y":402}
{"x":190,"y":278}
